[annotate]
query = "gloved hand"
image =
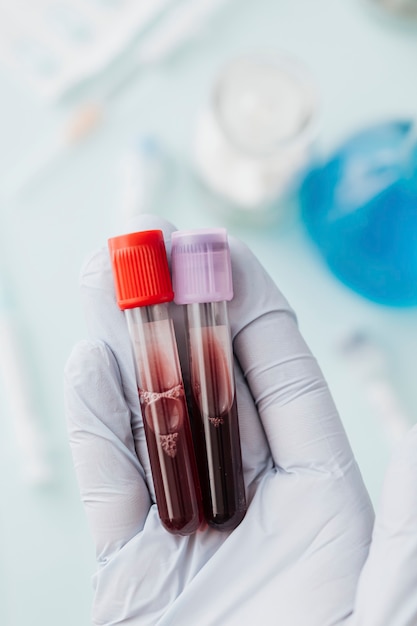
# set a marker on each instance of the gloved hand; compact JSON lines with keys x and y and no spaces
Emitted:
{"x":297,"y":556}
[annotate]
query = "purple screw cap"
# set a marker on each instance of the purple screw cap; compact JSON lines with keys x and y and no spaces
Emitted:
{"x":201,"y":267}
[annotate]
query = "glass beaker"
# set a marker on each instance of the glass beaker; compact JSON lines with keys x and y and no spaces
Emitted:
{"x":255,"y":136}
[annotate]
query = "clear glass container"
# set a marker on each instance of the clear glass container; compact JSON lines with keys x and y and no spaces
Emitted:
{"x":256,"y":135}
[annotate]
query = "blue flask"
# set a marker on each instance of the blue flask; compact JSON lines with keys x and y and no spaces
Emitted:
{"x":360,"y":207}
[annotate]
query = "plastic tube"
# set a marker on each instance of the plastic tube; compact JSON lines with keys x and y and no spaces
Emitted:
{"x":202,"y":281}
{"x":143,"y":289}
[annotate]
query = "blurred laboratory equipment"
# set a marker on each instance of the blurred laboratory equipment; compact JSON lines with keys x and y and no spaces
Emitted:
{"x":359,"y":207}
{"x":256,"y":134}
{"x":182,"y":24}
{"x":176,"y":26}
{"x":369,"y":363}
{"x":16,"y":387}
{"x":144,"y":174}
{"x":38,"y":160}
{"x":404,"y":9}
{"x":53,"y":45}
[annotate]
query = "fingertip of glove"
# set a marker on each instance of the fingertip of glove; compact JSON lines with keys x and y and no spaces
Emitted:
{"x":405,"y":453}
{"x":398,"y":503}
{"x":96,"y":269}
{"x":237,"y":246}
{"x":256,"y":293}
{"x":249,"y":271}
{"x":86,"y":359}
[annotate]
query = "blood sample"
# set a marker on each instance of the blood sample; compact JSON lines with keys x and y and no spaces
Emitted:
{"x":143,"y":289}
{"x":201,"y":273}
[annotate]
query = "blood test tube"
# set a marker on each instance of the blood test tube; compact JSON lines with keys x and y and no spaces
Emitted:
{"x":144,"y":290}
{"x":202,"y":280}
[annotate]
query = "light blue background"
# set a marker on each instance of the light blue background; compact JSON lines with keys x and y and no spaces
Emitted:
{"x":365,"y":68}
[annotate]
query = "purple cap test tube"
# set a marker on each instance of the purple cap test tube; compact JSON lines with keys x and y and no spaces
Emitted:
{"x":202,"y":281}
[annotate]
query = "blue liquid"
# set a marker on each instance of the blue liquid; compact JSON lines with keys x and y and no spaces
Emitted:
{"x":361,"y":210}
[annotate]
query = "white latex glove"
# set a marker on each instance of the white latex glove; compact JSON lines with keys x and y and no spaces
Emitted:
{"x":296,"y":558}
